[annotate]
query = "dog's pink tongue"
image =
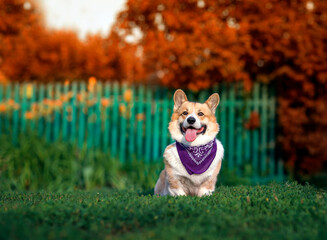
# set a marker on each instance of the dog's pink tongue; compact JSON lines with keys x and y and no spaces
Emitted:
{"x":190,"y":134}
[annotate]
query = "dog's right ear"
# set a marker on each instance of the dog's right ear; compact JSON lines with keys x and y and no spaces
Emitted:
{"x":179,"y":98}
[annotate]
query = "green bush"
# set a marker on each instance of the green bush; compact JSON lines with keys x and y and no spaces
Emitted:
{"x":34,"y":164}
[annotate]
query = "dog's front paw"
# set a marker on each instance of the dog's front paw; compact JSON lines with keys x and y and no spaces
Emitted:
{"x":205,"y":192}
{"x":176,"y":192}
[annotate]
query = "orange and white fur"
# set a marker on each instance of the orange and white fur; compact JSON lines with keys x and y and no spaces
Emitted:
{"x":174,"y":180}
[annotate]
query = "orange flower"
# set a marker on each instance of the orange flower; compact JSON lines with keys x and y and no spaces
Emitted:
{"x":66,"y":82}
{"x":58,"y":103}
{"x":2,"y":107}
{"x":29,"y":115}
{"x":122,"y":108}
{"x":128,"y":95}
{"x":34,"y":107}
{"x":140,"y":116}
{"x":29,"y":91}
{"x":11,"y":102}
{"x":92,"y":80}
{"x":105,"y":102}
{"x":64,"y":98}
{"x":47,"y":102}
{"x":80,"y":97}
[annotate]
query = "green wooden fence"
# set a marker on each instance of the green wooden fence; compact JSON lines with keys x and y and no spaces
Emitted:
{"x":132,"y":121}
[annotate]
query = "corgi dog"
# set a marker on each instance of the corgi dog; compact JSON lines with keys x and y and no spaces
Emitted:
{"x":193,"y":162}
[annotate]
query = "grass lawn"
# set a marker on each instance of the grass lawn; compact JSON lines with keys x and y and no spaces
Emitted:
{"x":275,"y":211}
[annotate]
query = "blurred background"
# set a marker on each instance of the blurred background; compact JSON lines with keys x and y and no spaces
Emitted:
{"x":86,"y":88}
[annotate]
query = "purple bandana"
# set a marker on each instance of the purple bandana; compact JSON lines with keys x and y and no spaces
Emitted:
{"x":197,"y":159}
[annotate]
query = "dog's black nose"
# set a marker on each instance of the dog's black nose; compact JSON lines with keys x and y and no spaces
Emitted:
{"x":191,"y":120}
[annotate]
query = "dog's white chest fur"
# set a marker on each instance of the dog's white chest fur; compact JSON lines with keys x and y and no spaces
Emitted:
{"x":194,"y":181}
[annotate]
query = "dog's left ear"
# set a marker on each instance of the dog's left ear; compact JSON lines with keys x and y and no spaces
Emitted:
{"x":213,"y":102}
{"x":179,"y":98}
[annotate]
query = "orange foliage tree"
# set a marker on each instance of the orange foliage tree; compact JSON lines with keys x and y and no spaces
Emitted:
{"x":16,"y":16}
{"x":29,"y":51}
{"x":196,"y":43}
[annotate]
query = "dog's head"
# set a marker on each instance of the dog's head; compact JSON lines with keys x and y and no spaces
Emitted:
{"x":193,"y":123}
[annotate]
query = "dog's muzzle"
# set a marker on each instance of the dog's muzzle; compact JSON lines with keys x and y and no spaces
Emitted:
{"x":191,"y":132}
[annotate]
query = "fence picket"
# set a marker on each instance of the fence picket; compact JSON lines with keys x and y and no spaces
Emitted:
{"x":264,"y":128}
{"x":73,"y":113}
{"x":132,"y":120}
{"x":239,"y":139}
{"x":148,"y":130}
{"x":15,"y":114}
{"x":114,"y":127}
{"x":90,"y":116}
{"x":203,"y":96}
{"x":140,"y":119}
{"x":164,"y":125}
{"x":57,"y":106}
{"x":33,"y":106}
{"x":156,"y":131}
{"x":49,"y":112}
{"x":247,"y":141}
{"x":41,"y":110}
{"x":65,"y":100}
{"x":98,"y":115}
{"x":123,"y":122}
{"x":82,"y":113}
{"x":271,"y":143}
{"x":10,"y":103}
{"x":231,"y":122}
{"x":255,"y":153}
{"x":106,"y":106}
{"x":223,"y":113}
{"x":23,"y":108}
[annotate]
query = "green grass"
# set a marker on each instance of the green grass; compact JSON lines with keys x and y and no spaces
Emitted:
{"x":55,"y":190}
{"x":275,"y":211}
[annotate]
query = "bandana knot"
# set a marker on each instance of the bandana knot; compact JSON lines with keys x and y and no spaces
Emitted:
{"x":197,"y":159}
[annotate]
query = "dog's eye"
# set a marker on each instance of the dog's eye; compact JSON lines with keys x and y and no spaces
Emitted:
{"x":185,"y":113}
{"x":200,"y":114}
